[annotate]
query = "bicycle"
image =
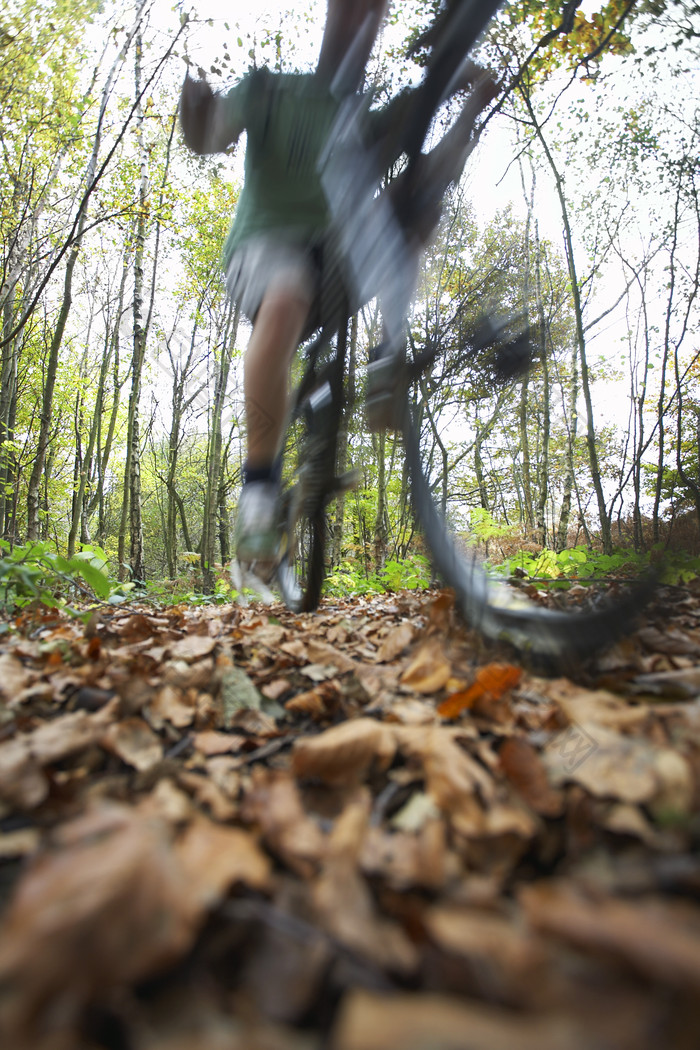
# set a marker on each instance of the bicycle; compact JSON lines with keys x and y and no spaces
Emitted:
{"x":370,"y":228}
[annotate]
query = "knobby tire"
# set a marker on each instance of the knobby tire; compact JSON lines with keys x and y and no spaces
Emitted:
{"x":557,"y":638}
{"x":301,"y":577}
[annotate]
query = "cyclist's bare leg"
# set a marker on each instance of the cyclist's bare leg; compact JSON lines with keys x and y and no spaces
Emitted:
{"x":276,"y":333}
{"x":278,"y":327}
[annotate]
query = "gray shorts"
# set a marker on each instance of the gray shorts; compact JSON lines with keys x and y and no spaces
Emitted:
{"x":267,"y":264}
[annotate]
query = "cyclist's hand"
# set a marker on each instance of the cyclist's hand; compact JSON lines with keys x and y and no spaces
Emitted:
{"x":480,"y":81}
{"x":197,"y":109}
{"x":486,"y":88}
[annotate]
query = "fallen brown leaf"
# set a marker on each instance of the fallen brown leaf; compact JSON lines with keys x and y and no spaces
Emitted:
{"x":344,"y":904}
{"x":318,"y":703}
{"x":209,"y":794}
{"x":658,"y":938}
{"x":273,"y":804}
{"x":211,"y":742}
{"x":214,"y":858}
{"x":394,"y":643}
{"x":510,"y":960}
{"x":19,"y":843}
{"x":490,"y":684}
{"x":369,"y":1021}
{"x":22,"y":780}
{"x":523,"y":767}
{"x":172,"y":705}
{"x":193,"y":647}
{"x":111,"y":907}
{"x":14,"y":677}
{"x":451,"y":775}
{"x":429,"y":669}
{"x":134,"y":742}
{"x":345,"y":753}
{"x":613,"y":765}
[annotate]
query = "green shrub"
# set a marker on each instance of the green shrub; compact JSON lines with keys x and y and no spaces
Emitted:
{"x":350,"y":579}
{"x":35,"y":572}
{"x":581,"y":564}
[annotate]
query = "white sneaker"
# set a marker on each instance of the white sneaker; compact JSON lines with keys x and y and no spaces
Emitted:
{"x":249,"y":585}
{"x":257,"y":532}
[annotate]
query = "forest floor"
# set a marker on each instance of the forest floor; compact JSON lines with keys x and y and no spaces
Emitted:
{"x":228,"y":828}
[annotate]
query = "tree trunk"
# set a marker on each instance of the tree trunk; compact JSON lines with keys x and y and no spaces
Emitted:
{"x":46,"y":413}
{"x":133,"y":480}
{"x":603,"y":515}
{"x":565,"y":511}
{"x":342,"y":461}
{"x":380,"y":531}
{"x":543,"y":465}
{"x":211,"y":501}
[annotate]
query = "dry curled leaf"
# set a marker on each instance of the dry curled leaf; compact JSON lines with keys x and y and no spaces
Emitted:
{"x":658,"y":938}
{"x":112,"y":906}
{"x":344,"y":753}
{"x":614,"y":765}
{"x":429,"y":670}
{"x":274,"y":805}
{"x":523,"y":767}
{"x":368,"y":1021}
{"x":211,"y":742}
{"x":134,"y":742}
{"x":172,"y":705}
{"x":13,"y":676}
{"x":22,"y":759}
{"x":490,"y":684}
{"x":193,"y":647}
{"x":394,"y":643}
{"x":318,"y":703}
{"x":214,"y":858}
{"x":452,"y":776}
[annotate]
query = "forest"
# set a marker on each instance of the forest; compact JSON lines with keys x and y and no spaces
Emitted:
{"x":377,"y":825}
{"x":120,"y":388}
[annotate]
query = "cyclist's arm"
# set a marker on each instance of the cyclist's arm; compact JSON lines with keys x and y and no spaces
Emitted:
{"x":387,"y":124}
{"x":210,"y":123}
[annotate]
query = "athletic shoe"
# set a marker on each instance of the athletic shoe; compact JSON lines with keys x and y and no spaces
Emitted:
{"x":257,"y":531}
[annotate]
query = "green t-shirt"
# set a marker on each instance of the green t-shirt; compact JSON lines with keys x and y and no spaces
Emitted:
{"x":287,"y":117}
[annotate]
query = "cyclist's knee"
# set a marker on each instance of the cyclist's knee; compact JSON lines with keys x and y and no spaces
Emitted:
{"x":284,"y":308}
{"x":279,"y":324}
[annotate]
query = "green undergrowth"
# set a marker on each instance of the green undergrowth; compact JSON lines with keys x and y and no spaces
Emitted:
{"x":349,"y":578}
{"x":34,"y":573}
{"x":37,"y":573}
{"x":579,"y":564}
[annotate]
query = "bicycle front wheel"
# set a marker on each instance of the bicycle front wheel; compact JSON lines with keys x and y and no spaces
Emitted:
{"x":495,"y":609}
{"x":301,"y":567}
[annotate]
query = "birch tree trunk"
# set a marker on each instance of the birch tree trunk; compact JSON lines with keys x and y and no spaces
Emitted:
{"x":133,"y":475}
{"x":211,"y":502}
{"x":604,"y":518}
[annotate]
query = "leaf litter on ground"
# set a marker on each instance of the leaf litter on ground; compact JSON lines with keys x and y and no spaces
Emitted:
{"x":357,"y":829}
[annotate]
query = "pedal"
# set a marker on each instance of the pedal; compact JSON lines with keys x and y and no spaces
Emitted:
{"x":502,"y":347}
